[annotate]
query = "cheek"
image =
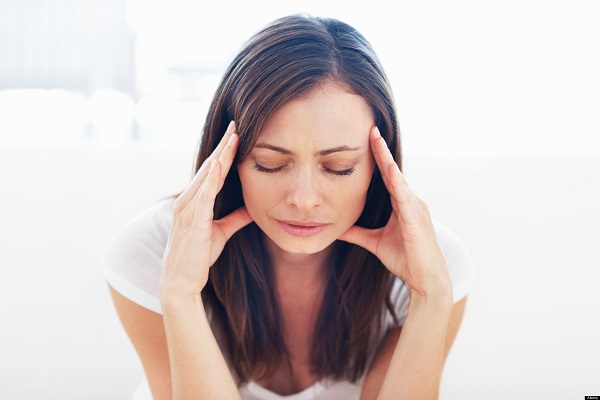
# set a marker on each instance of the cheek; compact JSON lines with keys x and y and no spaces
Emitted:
{"x":349,"y":198}
{"x":248,"y":187}
{"x":258,"y":191}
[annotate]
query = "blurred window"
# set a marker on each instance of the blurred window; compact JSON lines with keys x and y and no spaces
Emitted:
{"x":470,"y":78}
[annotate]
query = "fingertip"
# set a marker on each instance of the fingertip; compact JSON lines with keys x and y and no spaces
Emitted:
{"x":378,"y":140}
{"x":232,"y":139}
{"x":376,"y":132}
{"x":231,"y":126}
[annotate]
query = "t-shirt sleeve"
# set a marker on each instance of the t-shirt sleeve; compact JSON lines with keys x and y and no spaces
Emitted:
{"x":132,"y":259}
{"x":458,"y":259}
{"x":460,"y":268}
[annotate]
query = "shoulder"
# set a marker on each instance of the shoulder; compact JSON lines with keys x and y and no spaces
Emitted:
{"x":149,"y":227}
{"x":458,"y":259}
{"x":132,"y":259}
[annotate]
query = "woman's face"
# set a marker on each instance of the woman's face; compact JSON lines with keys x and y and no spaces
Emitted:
{"x":305,"y":182}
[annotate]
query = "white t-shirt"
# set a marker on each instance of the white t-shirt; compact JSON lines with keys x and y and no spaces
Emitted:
{"x":132,"y":265}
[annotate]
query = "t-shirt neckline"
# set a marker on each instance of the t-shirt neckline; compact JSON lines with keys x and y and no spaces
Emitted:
{"x":309,"y":393}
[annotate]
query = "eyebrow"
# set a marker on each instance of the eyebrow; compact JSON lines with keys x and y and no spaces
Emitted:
{"x":318,"y":153}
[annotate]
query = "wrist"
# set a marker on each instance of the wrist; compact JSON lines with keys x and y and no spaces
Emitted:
{"x":440,"y":298}
{"x":173,"y":298}
{"x":436,"y":288}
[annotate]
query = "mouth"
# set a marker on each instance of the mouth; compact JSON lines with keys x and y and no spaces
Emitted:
{"x":303,"y":228}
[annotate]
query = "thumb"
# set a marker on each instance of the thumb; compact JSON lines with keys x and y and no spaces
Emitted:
{"x":364,"y":237}
{"x":233,"y":222}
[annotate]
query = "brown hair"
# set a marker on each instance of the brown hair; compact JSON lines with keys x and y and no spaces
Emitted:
{"x":285,"y":60}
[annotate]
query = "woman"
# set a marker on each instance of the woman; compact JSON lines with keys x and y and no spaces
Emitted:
{"x":297,"y":264}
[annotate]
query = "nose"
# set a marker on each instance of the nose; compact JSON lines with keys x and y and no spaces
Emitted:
{"x":304,"y":192}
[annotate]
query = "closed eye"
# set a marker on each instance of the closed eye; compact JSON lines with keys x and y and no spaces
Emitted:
{"x":348,"y":171}
{"x":260,"y":168}
{"x":344,"y":172}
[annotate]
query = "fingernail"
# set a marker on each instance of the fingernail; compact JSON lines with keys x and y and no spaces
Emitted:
{"x":212,"y":165}
{"x":229,"y":126}
{"x":377,"y":133}
{"x":231,"y":139}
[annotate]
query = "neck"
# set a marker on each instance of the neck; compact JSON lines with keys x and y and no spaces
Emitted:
{"x":298,"y":273}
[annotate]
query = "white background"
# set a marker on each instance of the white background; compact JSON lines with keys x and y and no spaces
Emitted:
{"x":499,"y":112}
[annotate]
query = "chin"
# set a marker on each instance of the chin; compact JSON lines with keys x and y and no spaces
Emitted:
{"x":302,"y":246}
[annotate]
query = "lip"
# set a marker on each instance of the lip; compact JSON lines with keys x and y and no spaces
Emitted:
{"x":303,"y":228}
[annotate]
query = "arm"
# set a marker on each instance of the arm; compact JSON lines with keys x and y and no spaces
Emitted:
{"x":407,"y":246}
{"x":147,"y":334}
{"x":198,"y":368}
{"x":195,"y":356}
{"x":380,"y":367}
{"x":416,"y":367}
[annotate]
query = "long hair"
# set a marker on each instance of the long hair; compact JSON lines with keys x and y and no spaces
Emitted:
{"x":286,"y":60}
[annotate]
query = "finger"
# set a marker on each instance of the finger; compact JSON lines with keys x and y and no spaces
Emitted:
{"x":231,"y":129}
{"x":404,"y":201}
{"x":375,"y":139}
{"x":366,"y":238}
{"x":203,"y":171}
{"x":233,"y":222}
{"x":205,"y":199}
{"x":198,"y":180}
{"x":402,"y":197}
{"x":383,"y":156}
{"x":227,"y":157}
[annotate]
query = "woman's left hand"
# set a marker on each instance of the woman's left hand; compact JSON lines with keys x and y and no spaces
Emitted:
{"x":407,"y":244}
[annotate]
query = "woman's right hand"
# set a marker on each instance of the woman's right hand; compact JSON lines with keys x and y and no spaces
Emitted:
{"x":196,"y":240}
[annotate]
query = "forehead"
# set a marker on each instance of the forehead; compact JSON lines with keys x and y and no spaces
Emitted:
{"x":330,"y":115}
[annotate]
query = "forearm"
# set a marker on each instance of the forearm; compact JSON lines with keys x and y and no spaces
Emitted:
{"x":416,"y":367}
{"x":198,"y":369}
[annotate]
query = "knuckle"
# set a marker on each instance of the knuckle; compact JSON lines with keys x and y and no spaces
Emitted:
{"x":423,"y":204}
{"x":186,"y":218}
{"x":204,"y":197}
{"x":178,"y":205}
